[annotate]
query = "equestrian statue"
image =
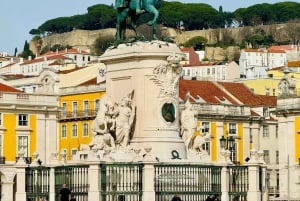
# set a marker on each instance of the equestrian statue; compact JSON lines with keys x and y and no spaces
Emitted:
{"x":133,"y":9}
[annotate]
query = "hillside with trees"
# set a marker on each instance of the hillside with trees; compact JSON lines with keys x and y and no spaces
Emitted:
{"x":259,"y":25}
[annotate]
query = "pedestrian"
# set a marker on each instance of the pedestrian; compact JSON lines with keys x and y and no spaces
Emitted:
{"x":65,"y":193}
{"x":176,"y":197}
{"x":211,"y":197}
{"x":73,"y":198}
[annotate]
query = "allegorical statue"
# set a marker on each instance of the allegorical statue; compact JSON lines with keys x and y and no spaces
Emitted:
{"x":133,"y":9}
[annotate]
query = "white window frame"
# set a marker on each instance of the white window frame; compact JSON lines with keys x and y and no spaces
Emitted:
{"x":74,"y":130}
{"x":23,"y":120}
{"x":86,"y":107}
{"x":205,"y":127}
{"x":232,"y":128}
{"x":64,"y":110}
{"x":75,"y":109}
{"x":64,"y":131}
{"x":265,"y":130}
{"x":21,"y":146}
{"x":85,"y":127}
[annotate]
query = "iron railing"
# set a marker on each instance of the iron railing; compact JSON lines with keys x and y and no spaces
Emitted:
{"x":76,"y":178}
{"x":81,"y":114}
{"x":37,"y":183}
{"x":121,"y":182}
{"x":191,"y":182}
{"x":238,"y":183}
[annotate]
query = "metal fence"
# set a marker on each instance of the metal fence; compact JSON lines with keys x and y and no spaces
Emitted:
{"x":37,"y":183}
{"x":191,"y":182}
{"x":76,"y":178}
{"x":121,"y":181}
{"x":238,"y":183}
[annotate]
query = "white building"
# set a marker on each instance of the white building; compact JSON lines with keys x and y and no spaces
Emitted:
{"x":212,"y":71}
{"x":254,"y":63}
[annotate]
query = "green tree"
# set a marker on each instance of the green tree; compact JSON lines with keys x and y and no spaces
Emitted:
{"x":101,"y":44}
{"x":197,"y":42}
{"x":26,"y":51}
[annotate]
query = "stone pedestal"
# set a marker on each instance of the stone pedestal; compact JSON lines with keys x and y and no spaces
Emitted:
{"x":151,"y":71}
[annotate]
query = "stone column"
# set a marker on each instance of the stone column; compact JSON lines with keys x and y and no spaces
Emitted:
{"x":224,"y":183}
{"x":94,"y":181}
{"x":52,"y":185}
{"x":8,"y":184}
{"x":148,"y":181}
{"x":253,"y":174}
{"x":148,"y":175}
{"x":21,"y":193}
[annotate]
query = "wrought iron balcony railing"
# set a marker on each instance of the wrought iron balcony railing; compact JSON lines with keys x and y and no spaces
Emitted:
{"x":81,"y":114}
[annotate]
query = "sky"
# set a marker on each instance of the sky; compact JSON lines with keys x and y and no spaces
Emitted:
{"x":18,"y":17}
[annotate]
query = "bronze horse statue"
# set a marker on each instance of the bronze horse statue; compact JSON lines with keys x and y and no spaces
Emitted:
{"x":133,"y":9}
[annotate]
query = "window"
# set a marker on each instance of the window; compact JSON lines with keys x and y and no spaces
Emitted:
{"x":274,"y":92}
{"x":265,"y":131}
{"x":97,"y":105}
{"x":74,"y":130}
{"x":205,"y":127}
{"x":277,"y":157}
{"x":64,"y":110}
{"x":23,"y":145}
{"x":75,"y":109}
{"x":265,"y":112}
{"x":85,"y":129}
{"x":0,"y":118}
{"x":23,"y":120}
{"x":208,"y":71}
{"x":266,"y":156}
{"x":233,"y":153}
{"x":63,"y":131}
{"x":232,"y":128}
{"x":267,"y":91}
{"x":206,"y":147}
{"x":73,"y":152}
{"x":86,"y":108}
{"x":276,"y":131}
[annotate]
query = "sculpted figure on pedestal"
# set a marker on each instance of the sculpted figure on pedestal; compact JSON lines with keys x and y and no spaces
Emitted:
{"x":125,"y":114}
{"x":103,"y":126}
{"x":194,"y":143}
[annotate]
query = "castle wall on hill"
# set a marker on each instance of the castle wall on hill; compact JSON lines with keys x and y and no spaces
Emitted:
{"x":85,"y":39}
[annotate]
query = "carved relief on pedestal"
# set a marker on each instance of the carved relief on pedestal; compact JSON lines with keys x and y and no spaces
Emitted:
{"x":112,"y":128}
{"x":166,"y":76}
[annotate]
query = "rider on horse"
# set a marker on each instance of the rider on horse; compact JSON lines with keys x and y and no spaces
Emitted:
{"x":125,"y":4}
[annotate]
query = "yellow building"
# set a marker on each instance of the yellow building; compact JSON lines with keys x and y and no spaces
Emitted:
{"x":27,"y":125}
{"x":79,"y":106}
{"x":269,"y":86}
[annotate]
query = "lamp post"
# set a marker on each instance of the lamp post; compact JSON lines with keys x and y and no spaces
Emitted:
{"x":228,"y":144}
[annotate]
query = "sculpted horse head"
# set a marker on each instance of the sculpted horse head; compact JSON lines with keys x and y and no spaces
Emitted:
{"x":133,"y":9}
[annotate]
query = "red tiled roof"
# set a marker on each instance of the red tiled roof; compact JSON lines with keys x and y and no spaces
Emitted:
{"x":68,"y":71}
{"x":207,"y":90}
{"x":40,"y":59}
{"x":246,"y":96}
{"x":61,"y":52}
{"x":6,"y":88}
{"x":282,"y":47}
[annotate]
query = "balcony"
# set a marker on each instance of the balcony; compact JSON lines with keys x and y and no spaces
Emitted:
{"x":79,"y":115}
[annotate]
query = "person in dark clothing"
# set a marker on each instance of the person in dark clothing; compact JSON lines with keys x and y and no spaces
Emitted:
{"x":176,"y":197}
{"x":211,"y":198}
{"x":65,"y":193}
